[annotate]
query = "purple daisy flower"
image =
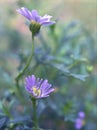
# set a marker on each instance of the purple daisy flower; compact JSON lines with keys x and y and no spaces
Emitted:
{"x":37,"y":87}
{"x":80,"y":121}
{"x":33,"y":16}
{"x":81,"y":114}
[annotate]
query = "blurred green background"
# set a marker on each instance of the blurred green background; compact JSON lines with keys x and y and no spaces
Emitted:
{"x":72,"y":42}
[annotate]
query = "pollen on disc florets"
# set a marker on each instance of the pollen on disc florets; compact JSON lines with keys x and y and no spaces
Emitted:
{"x":36,"y":91}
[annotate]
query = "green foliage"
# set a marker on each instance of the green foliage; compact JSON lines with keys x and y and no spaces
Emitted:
{"x":65,"y":55}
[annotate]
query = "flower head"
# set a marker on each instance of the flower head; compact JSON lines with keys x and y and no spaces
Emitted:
{"x":37,"y":87}
{"x":80,"y":121}
{"x":81,"y":114}
{"x":35,"y":19}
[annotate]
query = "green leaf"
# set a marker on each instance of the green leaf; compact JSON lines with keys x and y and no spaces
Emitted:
{"x":66,"y":72}
{"x":79,"y":76}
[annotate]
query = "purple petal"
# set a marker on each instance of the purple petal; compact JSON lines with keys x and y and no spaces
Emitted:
{"x":49,"y":91}
{"x":28,"y":89}
{"x":48,"y":23}
{"x":39,"y":82}
{"x":28,"y":13}
{"x":35,"y":15}
{"x":46,"y":20}
{"x":25,"y":12}
{"x":44,"y":84}
{"x":34,"y":12}
{"x":30,"y":81}
{"x":47,"y":88}
{"x":42,"y":20}
{"x":47,"y":16}
{"x":33,"y":80}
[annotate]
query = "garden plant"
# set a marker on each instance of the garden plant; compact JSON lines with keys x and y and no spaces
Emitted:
{"x":53,"y":84}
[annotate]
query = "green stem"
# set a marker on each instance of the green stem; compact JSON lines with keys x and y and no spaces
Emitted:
{"x":26,"y":66}
{"x":34,"y":112}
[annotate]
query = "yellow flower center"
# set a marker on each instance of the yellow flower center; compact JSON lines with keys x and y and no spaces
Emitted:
{"x":36,"y":91}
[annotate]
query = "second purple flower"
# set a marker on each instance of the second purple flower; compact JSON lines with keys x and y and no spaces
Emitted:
{"x":37,"y":87}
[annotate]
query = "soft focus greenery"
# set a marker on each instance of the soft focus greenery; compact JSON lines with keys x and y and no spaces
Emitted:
{"x":65,"y":54}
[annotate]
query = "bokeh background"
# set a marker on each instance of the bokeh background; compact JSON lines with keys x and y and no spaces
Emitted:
{"x":70,"y":44}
